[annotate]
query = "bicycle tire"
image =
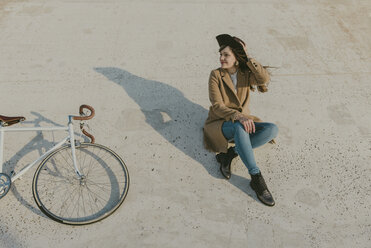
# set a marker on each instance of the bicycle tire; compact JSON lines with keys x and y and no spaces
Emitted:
{"x":57,"y":189}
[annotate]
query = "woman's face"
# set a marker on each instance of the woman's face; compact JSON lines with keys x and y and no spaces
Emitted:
{"x":227,"y":58}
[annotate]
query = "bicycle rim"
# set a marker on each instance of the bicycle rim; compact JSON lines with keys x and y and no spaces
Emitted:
{"x":62,"y":196}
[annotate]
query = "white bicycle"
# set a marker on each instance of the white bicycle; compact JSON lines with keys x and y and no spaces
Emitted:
{"x":75,"y":183}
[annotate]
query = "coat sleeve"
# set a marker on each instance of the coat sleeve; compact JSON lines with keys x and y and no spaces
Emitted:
{"x":260,"y":74}
{"x":217,"y":102}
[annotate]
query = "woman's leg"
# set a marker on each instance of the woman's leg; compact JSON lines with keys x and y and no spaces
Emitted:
{"x":243,"y":145}
{"x":245,"y":142}
{"x":264,"y":132}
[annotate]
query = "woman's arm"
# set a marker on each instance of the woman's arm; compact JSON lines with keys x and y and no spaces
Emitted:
{"x":217,"y":102}
{"x":260,"y":73}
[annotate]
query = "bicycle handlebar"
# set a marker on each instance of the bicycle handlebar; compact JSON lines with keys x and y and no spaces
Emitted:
{"x":83,"y":118}
{"x":92,"y":138}
{"x":81,"y":110}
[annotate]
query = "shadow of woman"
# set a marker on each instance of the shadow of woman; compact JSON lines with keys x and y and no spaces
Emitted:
{"x":172,"y":115}
{"x":184,"y":129}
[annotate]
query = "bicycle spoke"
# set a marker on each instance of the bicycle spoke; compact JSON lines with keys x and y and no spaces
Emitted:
{"x":72,"y":200}
{"x":96,"y":195}
{"x":93,"y":201}
{"x":68,"y":163}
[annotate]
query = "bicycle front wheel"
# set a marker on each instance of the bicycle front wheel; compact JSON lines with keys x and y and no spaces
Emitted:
{"x":67,"y":198}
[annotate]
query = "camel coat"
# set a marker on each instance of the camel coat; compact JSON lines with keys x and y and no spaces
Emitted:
{"x":228,"y":105}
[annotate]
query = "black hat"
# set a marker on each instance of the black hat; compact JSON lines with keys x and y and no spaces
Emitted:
{"x":227,"y":40}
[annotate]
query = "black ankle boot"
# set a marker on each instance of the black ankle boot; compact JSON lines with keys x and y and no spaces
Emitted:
{"x":258,"y":185}
{"x":225,"y":160}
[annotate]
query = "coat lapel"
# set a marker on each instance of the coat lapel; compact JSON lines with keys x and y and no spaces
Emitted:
{"x":228,"y":81}
{"x":242,"y":85}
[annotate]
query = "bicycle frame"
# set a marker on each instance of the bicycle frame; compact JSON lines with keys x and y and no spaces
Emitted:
{"x":70,"y":138}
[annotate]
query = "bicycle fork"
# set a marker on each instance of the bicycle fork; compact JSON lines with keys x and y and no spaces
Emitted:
{"x":73,"y":148}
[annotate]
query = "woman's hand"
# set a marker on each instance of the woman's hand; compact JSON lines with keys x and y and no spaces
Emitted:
{"x":248,"y":124}
{"x":244,"y":48}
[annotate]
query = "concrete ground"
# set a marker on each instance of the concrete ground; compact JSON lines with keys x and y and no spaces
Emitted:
{"x":144,"y":65}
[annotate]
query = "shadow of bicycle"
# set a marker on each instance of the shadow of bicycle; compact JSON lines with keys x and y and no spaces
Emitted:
{"x":7,"y":239}
{"x":39,"y":144}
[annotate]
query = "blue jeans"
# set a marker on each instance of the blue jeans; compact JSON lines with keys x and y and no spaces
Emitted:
{"x":245,"y":142}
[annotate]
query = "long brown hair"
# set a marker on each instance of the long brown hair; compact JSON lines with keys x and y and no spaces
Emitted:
{"x":242,"y":59}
